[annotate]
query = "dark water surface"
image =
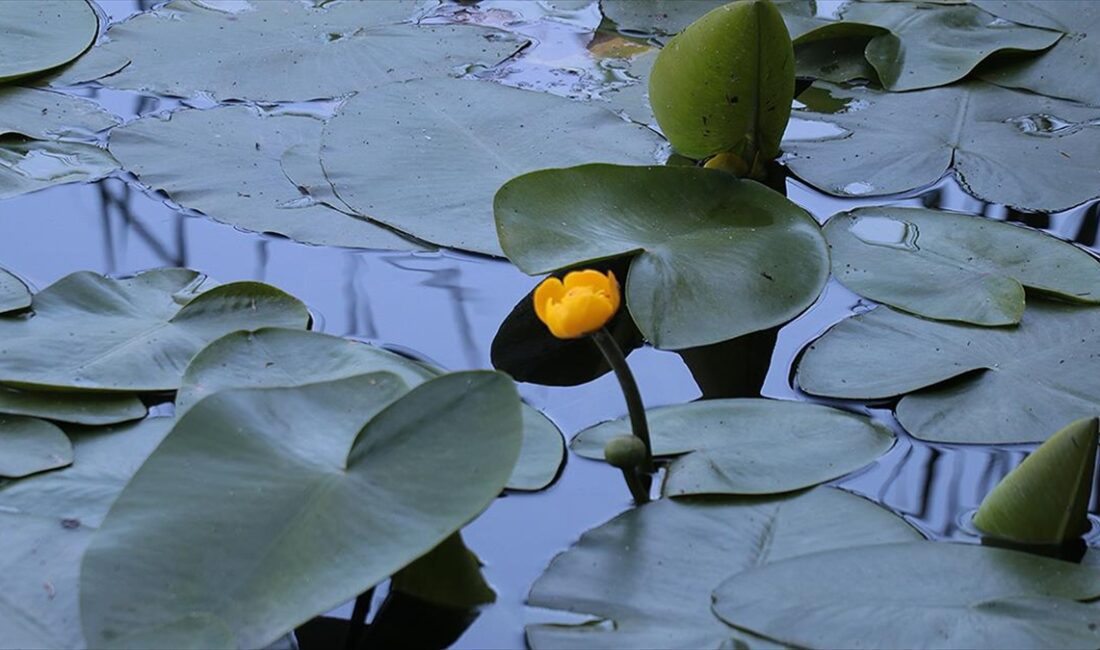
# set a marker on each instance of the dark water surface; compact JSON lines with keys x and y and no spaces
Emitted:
{"x":446,"y":307}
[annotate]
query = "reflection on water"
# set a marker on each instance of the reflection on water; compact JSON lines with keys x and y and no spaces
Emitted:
{"x":445,"y":308}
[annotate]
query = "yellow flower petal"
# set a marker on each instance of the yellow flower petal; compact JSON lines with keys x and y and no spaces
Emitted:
{"x":580,"y":305}
{"x":550,"y":289}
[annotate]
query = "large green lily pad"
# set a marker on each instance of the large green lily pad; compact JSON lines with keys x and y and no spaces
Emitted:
{"x":1068,"y":69}
{"x":46,"y":115}
{"x":76,"y":408}
{"x":48,"y":520}
{"x":951,"y":266}
{"x":285,"y":502}
{"x":1009,"y":384}
{"x":660,"y":19}
{"x":241,"y":181}
{"x":918,"y":594}
{"x":426,"y":157}
{"x":29,"y":445}
{"x":281,"y":51}
{"x":716,"y":257}
{"x":648,"y":574}
{"x":749,"y":446}
{"x":928,"y":46}
{"x":273,"y":357}
{"x":95,"y":333}
{"x":14,"y":295}
{"x":976,"y":130}
{"x":31,"y":165}
{"x":43,"y":34}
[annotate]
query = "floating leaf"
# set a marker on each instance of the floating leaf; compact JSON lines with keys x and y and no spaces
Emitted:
{"x":45,"y":115}
{"x":918,"y":594}
{"x":1009,"y":384}
{"x":266,"y":486}
{"x":48,"y":520}
{"x":648,"y":574}
{"x":30,"y":165}
{"x":933,"y":46}
{"x":1045,"y":500}
{"x":241,"y":181}
{"x":30,"y":445}
{"x":716,"y":257}
{"x":833,"y":59}
{"x":449,"y":576}
{"x":425,"y":157}
{"x":750,"y":446}
{"x":725,"y":84}
{"x":663,"y":18}
{"x":43,"y":34}
{"x":1068,"y":70}
{"x":271,"y":358}
{"x":14,"y":295}
{"x":951,"y":266}
{"x":979,"y":131}
{"x":76,"y":408}
{"x":94,"y":333}
{"x":181,"y":49}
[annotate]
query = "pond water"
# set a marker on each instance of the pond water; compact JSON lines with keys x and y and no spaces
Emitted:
{"x":445,"y":307}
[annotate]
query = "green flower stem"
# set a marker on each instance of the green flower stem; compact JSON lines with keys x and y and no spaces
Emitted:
{"x":636,"y":485}
{"x":614,"y":355}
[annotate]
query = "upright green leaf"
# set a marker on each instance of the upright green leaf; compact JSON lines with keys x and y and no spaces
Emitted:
{"x":43,"y":34}
{"x":716,"y":257}
{"x":1045,"y":500}
{"x":94,"y":333}
{"x":266,"y":507}
{"x":725,"y":83}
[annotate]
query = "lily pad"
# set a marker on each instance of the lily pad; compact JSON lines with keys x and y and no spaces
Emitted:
{"x":928,"y":46}
{"x":660,"y":19}
{"x":282,"y":51}
{"x":30,"y":445}
{"x":1009,"y":384}
{"x":46,"y":115}
{"x":1068,"y":69}
{"x":134,"y":335}
{"x":918,"y":594}
{"x":951,"y":266}
{"x":43,"y":34}
{"x":265,"y":486}
{"x":48,"y":520}
{"x":716,"y":257}
{"x":750,"y":446}
{"x":241,"y":181}
{"x":271,"y":358}
{"x":31,"y":165}
{"x":14,"y":295}
{"x":426,"y":157}
{"x":648,"y":574}
{"x":76,"y":408}
{"x":976,"y":130}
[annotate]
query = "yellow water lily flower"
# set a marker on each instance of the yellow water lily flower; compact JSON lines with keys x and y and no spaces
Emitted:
{"x":580,"y":305}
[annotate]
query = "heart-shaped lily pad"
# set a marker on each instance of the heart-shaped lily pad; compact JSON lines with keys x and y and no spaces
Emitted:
{"x":426,"y":157}
{"x":648,"y":574}
{"x":928,"y":46}
{"x":272,"y":357}
{"x":43,"y":34}
{"x":89,"y":332}
{"x":282,"y":51}
{"x":335,"y":481}
{"x":48,"y":520}
{"x":31,"y":165}
{"x":716,"y":257}
{"x":241,"y":181}
{"x":77,"y":408}
{"x":1009,"y":384}
{"x":951,"y":266}
{"x":14,"y":295}
{"x":918,"y":594}
{"x":977,"y":130}
{"x":1067,"y":69}
{"x":750,"y":446}
{"x":29,"y":445}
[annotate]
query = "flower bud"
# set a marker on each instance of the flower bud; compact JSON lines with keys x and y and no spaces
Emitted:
{"x":624,"y":452}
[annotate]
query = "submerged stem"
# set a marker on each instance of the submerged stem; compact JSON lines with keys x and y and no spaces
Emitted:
{"x":615,"y":358}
